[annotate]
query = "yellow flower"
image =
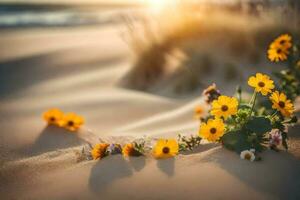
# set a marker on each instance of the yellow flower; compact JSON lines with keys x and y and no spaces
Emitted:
{"x":284,"y":41}
{"x":129,"y":150}
{"x":71,"y":121}
{"x":277,"y":53}
{"x":279,"y":48}
{"x":213,"y":130}
{"x":199,"y":110}
{"x":282,"y":104}
{"x":224,"y":106}
{"x":262,"y":83}
{"x":53,"y":116}
{"x":166,"y":148}
{"x":99,"y":151}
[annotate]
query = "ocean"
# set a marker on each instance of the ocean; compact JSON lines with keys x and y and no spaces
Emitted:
{"x":31,"y":15}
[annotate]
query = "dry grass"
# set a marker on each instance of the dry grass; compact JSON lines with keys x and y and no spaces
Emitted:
{"x":214,"y":42}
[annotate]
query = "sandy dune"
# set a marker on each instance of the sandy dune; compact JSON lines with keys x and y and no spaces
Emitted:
{"x":78,"y":70}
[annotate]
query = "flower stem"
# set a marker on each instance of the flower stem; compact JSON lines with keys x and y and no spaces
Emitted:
{"x":239,"y":94}
{"x":274,"y":114}
{"x":253,"y":100}
{"x":253,"y":97}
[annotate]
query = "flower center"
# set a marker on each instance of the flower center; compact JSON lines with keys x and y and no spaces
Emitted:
{"x":248,"y":156}
{"x":213,"y":130}
{"x":261,"y":84}
{"x":52,"y":119}
{"x":279,"y":50}
{"x":70,"y":123}
{"x":281,"y":104}
{"x":224,"y":108}
{"x":166,"y":150}
{"x":282,"y":41}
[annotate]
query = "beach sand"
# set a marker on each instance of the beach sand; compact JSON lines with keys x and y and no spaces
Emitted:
{"x":79,"y":70}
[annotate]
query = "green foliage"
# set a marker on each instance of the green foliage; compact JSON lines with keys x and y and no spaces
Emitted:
{"x":249,"y":136}
{"x":278,"y":125}
{"x":289,"y":83}
{"x":259,"y":125}
{"x":289,"y":79}
{"x":293,"y":120}
{"x":251,"y":127}
{"x":237,"y":141}
{"x":188,"y":143}
{"x":140,"y":146}
{"x":230,"y":140}
{"x":242,"y":116}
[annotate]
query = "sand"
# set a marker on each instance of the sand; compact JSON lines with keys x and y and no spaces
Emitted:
{"x":79,"y":70}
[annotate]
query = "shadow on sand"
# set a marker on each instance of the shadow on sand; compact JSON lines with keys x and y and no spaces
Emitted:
{"x":107,"y":171}
{"x":294,"y":131}
{"x":16,"y":75}
{"x":277,"y":174}
{"x":201,"y":148}
{"x":50,"y":139}
{"x":167,"y":166}
{"x":137,"y":163}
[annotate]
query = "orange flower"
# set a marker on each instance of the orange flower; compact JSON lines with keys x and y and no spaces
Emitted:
{"x":129,"y":150}
{"x":71,"y":122}
{"x":199,"y":110}
{"x":282,"y":103}
{"x":99,"y":151}
{"x":53,"y":116}
{"x":279,"y":48}
{"x":284,"y":41}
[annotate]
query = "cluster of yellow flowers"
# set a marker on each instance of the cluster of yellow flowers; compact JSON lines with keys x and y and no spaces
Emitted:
{"x":279,"y":48}
{"x":226,"y":106}
{"x":263,"y":84}
{"x":222,"y":108}
{"x":69,"y":121}
{"x":213,"y":128}
{"x":164,"y":148}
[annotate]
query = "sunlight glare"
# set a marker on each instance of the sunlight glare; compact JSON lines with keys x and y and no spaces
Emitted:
{"x":158,"y":5}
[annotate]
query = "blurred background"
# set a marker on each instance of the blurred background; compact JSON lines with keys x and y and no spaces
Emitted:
{"x":176,"y":47}
{"x":130,"y":68}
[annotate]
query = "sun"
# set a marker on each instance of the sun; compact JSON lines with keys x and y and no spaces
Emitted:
{"x":158,"y":5}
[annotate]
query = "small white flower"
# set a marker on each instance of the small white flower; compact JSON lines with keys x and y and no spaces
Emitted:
{"x":248,"y":155}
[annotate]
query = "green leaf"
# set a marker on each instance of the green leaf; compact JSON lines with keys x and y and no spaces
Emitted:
{"x":293,"y":120}
{"x":258,"y":141}
{"x":278,"y":125}
{"x":243,"y":143}
{"x":230,"y":140}
{"x":236,"y":141}
{"x":259,"y":125}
